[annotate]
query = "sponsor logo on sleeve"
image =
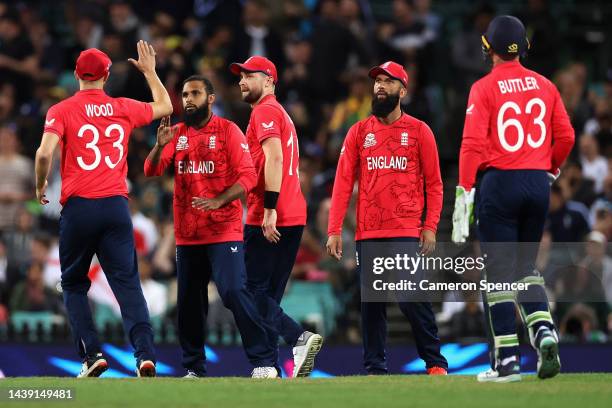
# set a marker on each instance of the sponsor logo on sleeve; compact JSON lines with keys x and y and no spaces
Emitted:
{"x":469,"y":110}
{"x":268,"y":126}
{"x":50,"y":122}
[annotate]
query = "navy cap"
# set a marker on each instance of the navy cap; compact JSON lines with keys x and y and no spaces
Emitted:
{"x":506,"y":36}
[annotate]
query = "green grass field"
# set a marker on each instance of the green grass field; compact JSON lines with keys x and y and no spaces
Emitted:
{"x":569,"y":390}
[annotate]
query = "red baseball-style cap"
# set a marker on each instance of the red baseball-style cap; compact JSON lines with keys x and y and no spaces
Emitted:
{"x":392,"y":69}
{"x":92,"y":64}
{"x":255,"y":64}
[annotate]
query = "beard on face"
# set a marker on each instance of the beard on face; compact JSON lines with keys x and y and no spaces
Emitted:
{"x":195,"y":117}
{"x":252,"y":95}
{"x":382,"y":107}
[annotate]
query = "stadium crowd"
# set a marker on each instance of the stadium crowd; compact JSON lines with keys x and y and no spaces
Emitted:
{"x":322,"y":50}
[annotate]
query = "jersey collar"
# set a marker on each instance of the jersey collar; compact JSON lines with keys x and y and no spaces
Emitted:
{"x":509,"y":64}
{"x":92,"y":91}
{"x":265,"y":98}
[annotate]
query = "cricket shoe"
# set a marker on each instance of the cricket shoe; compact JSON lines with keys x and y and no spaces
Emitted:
{"x":146,"y":368}
{"x":508,"y":370}
{"x":549,"y":363}
{"x":264,"y":372}
{"x":304,"y":353}
{"x":193,"y":374}
{"x":93,"y":366}
{"x":435,"y":370}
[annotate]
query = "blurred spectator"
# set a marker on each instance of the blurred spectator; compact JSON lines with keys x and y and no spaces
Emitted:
{"x":576,"y":186}
{"x":432,"y":20}
{"x":352,"y":16}
{"x":164,"y":260}
{"x":563,"y":223}
{"x":126,"y":25}
{"x":31,"y":295}
{"x":543,"y":37}
{"x":145,"y":231}
{"x":19,"y":240}
{"x":309,"y":254}
{"x":407,"y":34}
{"x":594,"y":165}
{"x":16,"y":177}
{"x":580,"y":325}
{"x":334,"y":49}
{"x":355,"y":107}
{"x":155,"y":293}
{"x":18,"y":62}
{"x":466,"y":52}
{"x":257,"y":37}
{"x":598,"y":262}
{"x":573,"y":93}
{"x":469,"y":321}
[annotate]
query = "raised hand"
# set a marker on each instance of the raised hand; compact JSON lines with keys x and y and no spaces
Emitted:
{"x":146,"y":57}
{"x":164,"y":134}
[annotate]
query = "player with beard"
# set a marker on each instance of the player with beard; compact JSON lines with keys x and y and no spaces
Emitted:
{"x":392,"y":156}
{"x":276,"y":209}
{"x":212,"y":170}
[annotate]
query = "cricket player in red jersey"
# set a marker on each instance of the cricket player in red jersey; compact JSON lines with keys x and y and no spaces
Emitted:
{"x":93,"y":131}
{"x":392,"y":156}
{"x":212,"y":170}
{"x":518,"y":133}
{"x":276,"y":209}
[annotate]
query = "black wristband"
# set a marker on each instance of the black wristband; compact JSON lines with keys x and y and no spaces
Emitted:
{"x":270,"y":199}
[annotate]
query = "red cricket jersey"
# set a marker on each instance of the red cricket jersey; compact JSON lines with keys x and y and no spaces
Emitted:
{"x":206,"y":162}
{"x":269,"y":119}
{"x":94,"y":130}
{"x":515,"y":119}
{"x":392,"y":164}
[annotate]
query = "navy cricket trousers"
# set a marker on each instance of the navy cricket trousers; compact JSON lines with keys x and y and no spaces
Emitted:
{"x":103,"y":227}
{"x":511,"y":211}
{"x":419,"y":314}
{"x":269,"y":267}
{"x":224,"y":262}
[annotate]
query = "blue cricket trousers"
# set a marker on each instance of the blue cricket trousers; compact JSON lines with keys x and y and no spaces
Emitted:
{"x":374,"y":322}
{"x":103,"y":227}
{"x":224,"y":262}
{"x":268,"y":270}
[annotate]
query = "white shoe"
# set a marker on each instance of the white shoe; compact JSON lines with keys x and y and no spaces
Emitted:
{"x":146,"y":369}
{"x":93,"y":367}
{"x":191,"y":374}
{"x":549,"y":363}
{"x":304,"y":353}
{"x":264,"y":372}
{"x":508,"y":370}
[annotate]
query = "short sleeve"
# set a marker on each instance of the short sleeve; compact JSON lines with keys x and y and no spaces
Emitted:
{"x":140,"y":113}
{"x":54,"y":121}
{"x":266,"y":122}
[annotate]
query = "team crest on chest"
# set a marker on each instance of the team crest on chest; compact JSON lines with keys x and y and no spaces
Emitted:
{"x":182,"y":144}
{"x":212,"y":142}
{"x":404,"y":140}
{"x":370,"y":140}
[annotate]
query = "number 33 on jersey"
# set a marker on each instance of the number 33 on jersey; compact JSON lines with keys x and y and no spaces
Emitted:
{"x":515,"y":119}
{"x":93,"y":131}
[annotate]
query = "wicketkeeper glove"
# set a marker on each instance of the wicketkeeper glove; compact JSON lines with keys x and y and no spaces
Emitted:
{"x":463,"y":215}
